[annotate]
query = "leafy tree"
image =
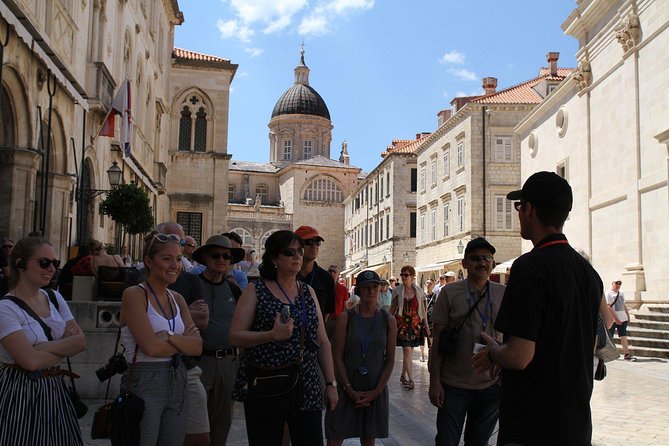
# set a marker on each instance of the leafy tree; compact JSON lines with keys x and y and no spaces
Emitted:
{"x":128,"y":205}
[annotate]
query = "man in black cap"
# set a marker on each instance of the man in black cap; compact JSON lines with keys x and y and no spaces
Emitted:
{"x":549,"y":320}
{"x":455,"y":389}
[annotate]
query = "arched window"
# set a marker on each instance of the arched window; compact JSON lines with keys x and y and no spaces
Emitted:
{"x":263,"y":240}
{"x":200,"y":142}
{"x":247,"y":240}
{"x":185,"y":125}
{"x":262,"y":192}
{"x":7,"y":123}
{"x":323,"y":189}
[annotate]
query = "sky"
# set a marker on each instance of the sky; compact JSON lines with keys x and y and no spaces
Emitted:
{"x":384,"y":67}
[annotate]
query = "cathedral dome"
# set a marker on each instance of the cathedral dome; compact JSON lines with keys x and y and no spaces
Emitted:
{"x":303,"y":100}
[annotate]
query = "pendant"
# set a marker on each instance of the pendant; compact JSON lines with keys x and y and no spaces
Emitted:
{"x":363,"y":370}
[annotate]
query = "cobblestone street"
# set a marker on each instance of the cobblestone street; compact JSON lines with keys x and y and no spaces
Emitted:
{"x":628,"y":408}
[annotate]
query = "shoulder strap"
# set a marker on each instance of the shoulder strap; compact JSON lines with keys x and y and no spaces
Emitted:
{"x":614,"y":302}
{"x":471,"y":310}
{"x":52,"y":298}
{"x":24,"y":306}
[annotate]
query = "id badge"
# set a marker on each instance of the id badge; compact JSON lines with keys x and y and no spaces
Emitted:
{"x":363,"y":370}
{"x":478,"y":347}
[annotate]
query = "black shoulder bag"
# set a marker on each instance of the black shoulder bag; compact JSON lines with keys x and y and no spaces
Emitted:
{"x":79,"y":407}
{"x":448,"y":339}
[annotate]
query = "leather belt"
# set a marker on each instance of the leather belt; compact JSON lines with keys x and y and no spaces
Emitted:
{"x":43,"y":373}
{"x":218,"y":354}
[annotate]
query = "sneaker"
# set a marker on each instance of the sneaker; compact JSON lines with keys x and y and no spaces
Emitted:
{"x":629,"y":357}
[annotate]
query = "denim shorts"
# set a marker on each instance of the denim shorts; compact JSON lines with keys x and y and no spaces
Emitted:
{"x":622,"y":329}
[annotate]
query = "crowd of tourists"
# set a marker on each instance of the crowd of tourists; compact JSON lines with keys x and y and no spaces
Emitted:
{"x":204,"y":326}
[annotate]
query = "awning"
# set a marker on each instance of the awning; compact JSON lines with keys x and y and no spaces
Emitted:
{"x":139,"y":171}
{"x":437,"y":266}
{"x":504,"y":267}
{"x":351,"y":272}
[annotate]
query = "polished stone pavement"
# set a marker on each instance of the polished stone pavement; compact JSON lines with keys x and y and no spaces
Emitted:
{"x":630,"y":407}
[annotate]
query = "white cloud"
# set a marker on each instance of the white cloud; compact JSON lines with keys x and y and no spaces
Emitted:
{"x":267,"y":11}
{"x":342,"y":6}
{"x":314,"y":25}
{"x":461,"y":94}
{"x":464,"y":74}
{"x":232,"y":28}
{"x":254,"y":52}
{"x":453,"y":57}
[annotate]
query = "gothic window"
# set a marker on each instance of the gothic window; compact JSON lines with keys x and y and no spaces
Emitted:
{"x":185,"y":125}
{"x":323,"y":189}
{"x":200,"y":130}
{"x":6,"y":121}
{"x":263,"y":192}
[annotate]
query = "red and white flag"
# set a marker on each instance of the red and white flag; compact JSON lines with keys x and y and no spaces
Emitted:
{"x":120,"y":106}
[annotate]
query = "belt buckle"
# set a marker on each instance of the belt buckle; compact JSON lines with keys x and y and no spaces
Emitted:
{"x":220,"y":354}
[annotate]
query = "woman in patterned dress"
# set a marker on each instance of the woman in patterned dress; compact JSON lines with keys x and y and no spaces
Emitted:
{"x":277,"y":320}
{"x":408,"y":306}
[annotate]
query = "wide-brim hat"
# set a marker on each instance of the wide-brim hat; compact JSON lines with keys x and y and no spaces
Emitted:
{"x":308,"y":233}
{"x":545,"y":190}
{"x":218,"y":241}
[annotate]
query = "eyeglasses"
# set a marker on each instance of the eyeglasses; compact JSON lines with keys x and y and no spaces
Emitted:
{"x":480,"y":258}
{"x":290,"y":252}
{"x":312,"y":242}
{"x":618,"y":283}
{"x":44,"y":263}
{"x":519,"y":204}
{"x":218,"y":255}
{"x":392,"y":280}
{"x":405,"y":274}
{"x":7,"y":246}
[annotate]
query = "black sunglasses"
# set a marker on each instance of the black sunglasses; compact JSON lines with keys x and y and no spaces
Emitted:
{"x":290,"y":252}
{"x":7,"y":246}
{"x":218,"y":255}
{"x":478,"y":258}
{"x":312,"y":242}
{"x":518,"y":204}
{"x":44,"y":263}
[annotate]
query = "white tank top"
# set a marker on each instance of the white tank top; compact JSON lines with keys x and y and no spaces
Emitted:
{"x":159,"y":323}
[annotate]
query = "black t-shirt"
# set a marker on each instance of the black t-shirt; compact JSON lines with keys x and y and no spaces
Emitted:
{"x":323,"y":284}
{"x":552,"y":298}
{"x":4,"y":263}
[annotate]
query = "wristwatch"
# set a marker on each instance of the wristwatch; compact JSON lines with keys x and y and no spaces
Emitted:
{"x":331,"y":383}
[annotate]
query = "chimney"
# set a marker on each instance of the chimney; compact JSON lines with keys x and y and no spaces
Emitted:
{"x":443,"y":116}
{"x":489,"y":85}
{"x":552,"y":58}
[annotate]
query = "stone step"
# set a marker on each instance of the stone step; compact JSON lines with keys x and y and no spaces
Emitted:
{"x":658,"y":308}
{"x":647,"y":352}
{"x":640,"y":332}
{"x":660,"y":317}
{"x":651,"y":325}
{"x":660,"y":344}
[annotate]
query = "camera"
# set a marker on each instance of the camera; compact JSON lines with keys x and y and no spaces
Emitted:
{"x":115,"y":364}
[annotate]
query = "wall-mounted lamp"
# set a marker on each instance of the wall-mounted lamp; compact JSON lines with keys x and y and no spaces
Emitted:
{"x":405,"y":257}
{"x":385,"y":259}
{"x":461,"y":247}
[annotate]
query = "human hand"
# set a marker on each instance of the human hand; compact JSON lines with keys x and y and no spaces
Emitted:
{"x":193,"y":331}
{"x":162,"y":335}
{"x":365,"y":398}
{"x":482,"y":362}
{"x":199,"y":305}
{"x":71,"y":330}
{"x":282,"y":331}
{"x":436,"y":393}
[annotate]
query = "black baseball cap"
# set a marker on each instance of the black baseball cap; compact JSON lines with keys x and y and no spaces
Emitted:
{"x":545,"y":190}
{"x":366,"y":277}
{"x":479,"y":242}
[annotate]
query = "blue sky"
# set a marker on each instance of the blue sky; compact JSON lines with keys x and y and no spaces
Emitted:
{"x":383,"y":67}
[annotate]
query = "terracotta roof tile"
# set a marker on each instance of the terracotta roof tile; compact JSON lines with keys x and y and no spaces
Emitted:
{"x":524,"y":92}
{"x":404,"y":145}
{"x":181,"y":53}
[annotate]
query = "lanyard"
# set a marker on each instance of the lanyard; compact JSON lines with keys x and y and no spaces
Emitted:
{"x":293,"y":306}
{"x":489,"y":304}
{"x":171,"y":323}
{"x":364,"y":344}
{"x":554,"y":242}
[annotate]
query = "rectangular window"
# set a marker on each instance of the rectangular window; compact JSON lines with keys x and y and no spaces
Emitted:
{"x":414,"y":180}
{"x":388,"y":184}
{"x":287,"y":149}
{"x":192,"y":224}
{"x":421,"y":179}
{"x":447,"y":163}
{"x":381,"y":228}
{"x":388,"y":225}
{"x":308,"y":154}
{"x":412,"y":224}
{"x":503,"y":149}
{"x":381,"y":188}
{"x":503,"y":213}
{"x":231,"y":192}
{"x":433,"y":173}
{"x":461,"y":214}
{"x":422,"y":236}
{"x":447,"y":216}
{"x":461,"y":154}
{"x":433,"y":224}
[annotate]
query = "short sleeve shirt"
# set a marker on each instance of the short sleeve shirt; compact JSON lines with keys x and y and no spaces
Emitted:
{"x":13,"y":318}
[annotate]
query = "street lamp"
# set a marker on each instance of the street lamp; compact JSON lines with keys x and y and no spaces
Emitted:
{"x":115,"y":175}
{"x":385,"y":259}
{"x":461,"y":247}
{"x":405,"y":257}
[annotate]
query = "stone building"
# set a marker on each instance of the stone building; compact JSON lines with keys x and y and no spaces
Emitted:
{"x":380,"y":221}
{"x":300,"y":185}
{"x":467,"y":166}
{"x":607,"y":131}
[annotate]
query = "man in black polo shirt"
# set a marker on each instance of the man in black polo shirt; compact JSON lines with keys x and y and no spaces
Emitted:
{"x":549,"y":319}
{"x":312,"y":274}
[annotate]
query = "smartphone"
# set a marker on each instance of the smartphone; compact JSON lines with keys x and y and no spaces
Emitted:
{"x":285,"y":313}
{"x":478,"y":347}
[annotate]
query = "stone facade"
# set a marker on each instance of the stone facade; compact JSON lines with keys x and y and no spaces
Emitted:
{"x":606,"y":131}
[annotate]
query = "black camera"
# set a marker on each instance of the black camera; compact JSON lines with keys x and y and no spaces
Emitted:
{"x":115,"y":364}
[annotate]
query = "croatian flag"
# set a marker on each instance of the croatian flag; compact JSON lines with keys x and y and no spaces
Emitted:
{"x":120,"y":106}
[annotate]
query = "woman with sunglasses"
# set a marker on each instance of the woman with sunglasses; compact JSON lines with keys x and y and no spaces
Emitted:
{"x":279,"y":324}
{"x":156,"y":329}
{"x":219,"y":359}
{"x":408,"y":306}
{"x":34,"y":404}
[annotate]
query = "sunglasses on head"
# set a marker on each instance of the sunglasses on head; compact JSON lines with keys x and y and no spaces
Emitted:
{"x":164,"y":238}
{"x":290,"y":252}
{"x":312,"y":242}
{"x":44,"y":263}
{"x":218,"y":255}
{"x":479,"y":258}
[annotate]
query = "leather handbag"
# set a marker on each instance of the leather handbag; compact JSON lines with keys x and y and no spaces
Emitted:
{"x":101,"y":427}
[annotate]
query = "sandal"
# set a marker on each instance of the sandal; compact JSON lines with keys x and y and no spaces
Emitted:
{"x":409,"y":385}
{"x":403,"y":380}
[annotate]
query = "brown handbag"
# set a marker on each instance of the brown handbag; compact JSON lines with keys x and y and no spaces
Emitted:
{"x":101,"y":427}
